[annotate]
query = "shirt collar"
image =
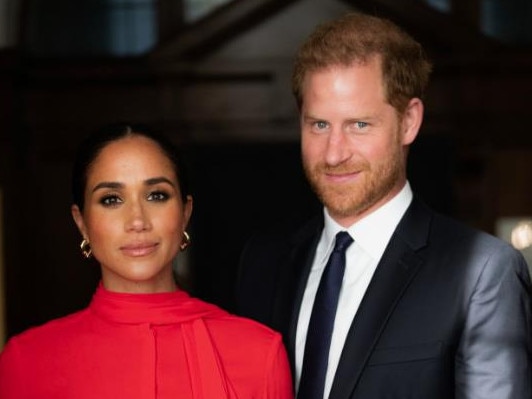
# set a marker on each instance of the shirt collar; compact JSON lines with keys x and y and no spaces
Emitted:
{"x":373,"y":232}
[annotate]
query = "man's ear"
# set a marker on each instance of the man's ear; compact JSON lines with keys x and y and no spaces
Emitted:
{"x":411,"y":121}
{"x":78,"y":219}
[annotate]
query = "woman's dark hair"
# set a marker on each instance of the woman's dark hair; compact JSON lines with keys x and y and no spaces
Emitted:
{"x":91,"y":146}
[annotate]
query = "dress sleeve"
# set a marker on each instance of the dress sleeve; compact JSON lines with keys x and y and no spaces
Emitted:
{"x":278,"y":378}
{"x":494,"y":356}
{"x":11,"y":377}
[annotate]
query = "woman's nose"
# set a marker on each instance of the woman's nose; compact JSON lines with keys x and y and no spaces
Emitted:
{"x":137,"y":218}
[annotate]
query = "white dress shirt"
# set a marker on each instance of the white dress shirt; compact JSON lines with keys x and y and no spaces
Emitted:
{"x":371,"y":236}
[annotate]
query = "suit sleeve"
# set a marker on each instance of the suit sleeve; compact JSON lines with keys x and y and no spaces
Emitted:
{"x":494,"y":355}
{"x":257,"y":279}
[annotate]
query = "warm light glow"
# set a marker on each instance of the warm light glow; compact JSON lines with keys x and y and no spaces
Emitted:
{"x":517,"y":230}
{"x":521,"y":236}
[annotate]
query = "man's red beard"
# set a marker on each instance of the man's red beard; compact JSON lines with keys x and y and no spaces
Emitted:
{"x":349,"y":199}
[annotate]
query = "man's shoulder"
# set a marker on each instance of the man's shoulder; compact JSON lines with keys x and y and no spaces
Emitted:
{"x":458,"y":230}
{"x":285,"y":235}
{"x":452,"y":234}
{"x":268,"y":260}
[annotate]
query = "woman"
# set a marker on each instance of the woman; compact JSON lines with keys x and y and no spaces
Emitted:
{"x":141,"y":336}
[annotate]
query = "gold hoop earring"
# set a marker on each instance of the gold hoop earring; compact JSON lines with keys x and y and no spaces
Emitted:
{"x":186,"y":241}
{"x":85,"y":248}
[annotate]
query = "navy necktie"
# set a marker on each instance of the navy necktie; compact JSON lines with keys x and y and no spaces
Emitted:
{"x":316,"y":356}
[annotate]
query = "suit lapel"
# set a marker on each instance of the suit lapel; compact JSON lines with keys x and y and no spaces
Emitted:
{"x":292,"y":281}
{"x":395,"y":271}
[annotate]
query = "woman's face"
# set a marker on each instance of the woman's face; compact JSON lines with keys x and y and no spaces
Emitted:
{"x":134,"y":216}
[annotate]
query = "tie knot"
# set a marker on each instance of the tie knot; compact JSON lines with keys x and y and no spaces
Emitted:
{"x":343,"y":240}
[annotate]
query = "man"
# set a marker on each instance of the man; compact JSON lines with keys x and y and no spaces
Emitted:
{"x":428,"y":308}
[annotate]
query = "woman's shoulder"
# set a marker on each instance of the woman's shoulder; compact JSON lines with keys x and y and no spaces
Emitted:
{"x":231,"y":320}
{"x":219,"y":320}
{"x":50,"y":331}
{"x":233,"y":329}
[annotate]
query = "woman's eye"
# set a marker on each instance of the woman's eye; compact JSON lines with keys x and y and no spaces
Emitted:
{"x":110,"y":200}
{"x":158,"y":196}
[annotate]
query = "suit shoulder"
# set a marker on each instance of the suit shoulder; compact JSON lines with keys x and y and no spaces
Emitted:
{"x":283,"y":236}
{"x":422,"y":225}
{"x":458,"y":231}
{"x":487,"y":251}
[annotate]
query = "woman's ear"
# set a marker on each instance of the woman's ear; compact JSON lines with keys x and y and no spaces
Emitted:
{"x":187,"y":210}
{"x":411,"y":121}
{"x":78,"y":219}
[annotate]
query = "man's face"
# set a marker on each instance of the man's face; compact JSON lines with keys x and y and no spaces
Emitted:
{"x":353,"y":141}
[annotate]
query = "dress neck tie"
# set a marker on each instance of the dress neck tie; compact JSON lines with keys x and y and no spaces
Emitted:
{"x":316,"y":356}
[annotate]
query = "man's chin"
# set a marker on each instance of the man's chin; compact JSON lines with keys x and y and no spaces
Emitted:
{"x":342,"y":207}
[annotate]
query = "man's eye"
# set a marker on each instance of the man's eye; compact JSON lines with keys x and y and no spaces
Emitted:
{"x":110,"y":200}
{"x":320,"y":125}
{"x":158,"y":196}
{"x":361,"y":125}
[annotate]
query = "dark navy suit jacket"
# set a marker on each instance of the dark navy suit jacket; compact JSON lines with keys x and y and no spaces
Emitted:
{"x":447,"y":313}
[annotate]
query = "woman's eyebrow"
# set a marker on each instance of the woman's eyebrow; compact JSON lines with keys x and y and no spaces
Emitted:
{"x":116,"y":185}
{"x":107,"y":184}
{"x":156,"y":180}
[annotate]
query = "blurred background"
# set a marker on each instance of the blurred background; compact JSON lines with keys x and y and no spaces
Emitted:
{"x":215,"y":76}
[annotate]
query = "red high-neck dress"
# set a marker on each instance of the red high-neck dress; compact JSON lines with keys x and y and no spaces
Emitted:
{"x":166,"y":345}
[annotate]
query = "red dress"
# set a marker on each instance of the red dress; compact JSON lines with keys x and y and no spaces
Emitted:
{"x":165,"y":345}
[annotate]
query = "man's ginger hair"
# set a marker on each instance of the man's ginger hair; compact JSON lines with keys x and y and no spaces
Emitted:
{"x":357,"y":38}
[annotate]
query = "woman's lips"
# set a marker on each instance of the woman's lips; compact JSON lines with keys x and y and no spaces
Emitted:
{"x":139,"y":249}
